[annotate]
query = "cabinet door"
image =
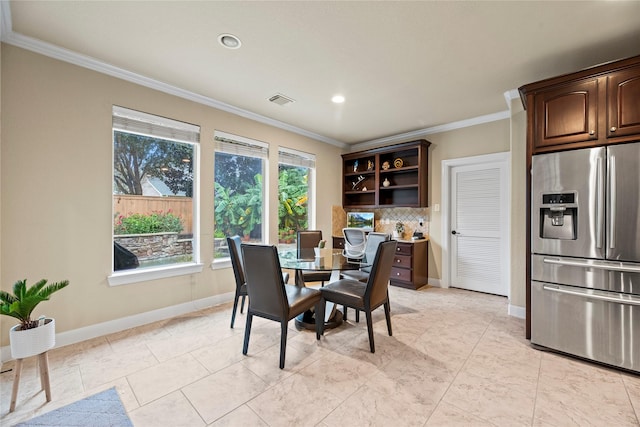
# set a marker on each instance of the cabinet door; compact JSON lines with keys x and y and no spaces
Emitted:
{"x":623,"y":103}
{"x":567,"y":114}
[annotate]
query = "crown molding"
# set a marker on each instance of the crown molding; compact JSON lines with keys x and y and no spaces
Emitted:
{"x":417,"y":134}
{"x":7,"y":35}
{"x":88,"y":62}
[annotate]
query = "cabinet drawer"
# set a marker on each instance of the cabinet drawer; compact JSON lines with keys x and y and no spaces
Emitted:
{"x":401,"y":274}
{"x":404,"y":249}
{"x":402,"y":261}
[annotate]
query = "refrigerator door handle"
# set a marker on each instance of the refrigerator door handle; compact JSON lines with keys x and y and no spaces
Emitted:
{"x":612,"y":204}
{"x":599,"y":202}
{"x":599,"y":265}
{"x":626,"y":299}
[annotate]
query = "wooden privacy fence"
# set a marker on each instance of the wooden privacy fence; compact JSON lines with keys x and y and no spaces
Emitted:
{"x":125,"y":204}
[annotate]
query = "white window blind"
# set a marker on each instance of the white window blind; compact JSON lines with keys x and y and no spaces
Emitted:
{"x":240,"y":146}
{"x":140,"y":123}
{"x":291,"y":157}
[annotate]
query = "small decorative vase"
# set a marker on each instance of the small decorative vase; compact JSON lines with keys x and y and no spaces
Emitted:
{"x":386,"y":183}
{"x":32,"y":342}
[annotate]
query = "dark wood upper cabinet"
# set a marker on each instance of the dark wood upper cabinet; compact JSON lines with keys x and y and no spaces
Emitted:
{"x":623,"y":91}
{"x":567,"y":115}
{"x":597,"y":106}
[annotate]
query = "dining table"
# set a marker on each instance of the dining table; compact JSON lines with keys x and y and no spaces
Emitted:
{"x":319,"y":260}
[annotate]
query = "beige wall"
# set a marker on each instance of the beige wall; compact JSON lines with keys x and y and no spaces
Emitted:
{"x":471,"y":141}
{"x":518,"y":203}
{"x":56,"y":181}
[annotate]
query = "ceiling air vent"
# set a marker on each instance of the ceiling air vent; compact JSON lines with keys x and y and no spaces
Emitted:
{"x":280,"y":99}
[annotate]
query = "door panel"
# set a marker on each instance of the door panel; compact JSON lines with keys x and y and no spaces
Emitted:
{"x":623,"y":216}
{"x":593,"y":324}
{"x":624,"y":103}
{"x":580,"y":173}
{"x":478,"y":220}
{"x":567,"y":115}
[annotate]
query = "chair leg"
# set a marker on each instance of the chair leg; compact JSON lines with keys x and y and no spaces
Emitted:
{"x":247,"y":332}
{"x":387,"y":315}
{"x":321,"y":308}
{"x":283,"y":342}
{"x":242,"y":305}
{"x":344,"y":311}
{"x":357,"y":315}
{"x":235,"y":308}
{"x":370,"y":330}
{"x":319,"y":324}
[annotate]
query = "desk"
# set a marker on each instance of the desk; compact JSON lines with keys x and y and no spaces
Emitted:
{"x":329,"y":260}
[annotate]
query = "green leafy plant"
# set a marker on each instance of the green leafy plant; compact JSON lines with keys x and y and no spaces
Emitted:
{"x":293,"y":189}
{"x":238,"y":212}
{"x":25,"y":299}
{"x":156,"y":222}
{"x":399,"y":227}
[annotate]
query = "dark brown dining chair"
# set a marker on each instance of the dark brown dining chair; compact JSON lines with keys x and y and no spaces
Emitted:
{"x":233,"y":243}
{"x":362,"y":275}
{"x":351,"y":293}
{"x":306,"y":241}
{"x":270,"y":297}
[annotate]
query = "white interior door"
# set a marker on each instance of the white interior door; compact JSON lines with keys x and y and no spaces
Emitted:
{"x":478,"y":218}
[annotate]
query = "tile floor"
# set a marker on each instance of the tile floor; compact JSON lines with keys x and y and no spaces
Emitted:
{"x":455,"y":358}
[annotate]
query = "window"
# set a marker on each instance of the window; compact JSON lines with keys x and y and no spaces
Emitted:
{"x":239,"y":190}
{"x":296,"y":172}
{"x":154,"y":191}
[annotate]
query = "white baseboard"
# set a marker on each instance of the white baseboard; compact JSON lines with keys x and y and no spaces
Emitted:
{"x":117,"y":325}
{"x":434,"y":282}
{"x":517,"y":311}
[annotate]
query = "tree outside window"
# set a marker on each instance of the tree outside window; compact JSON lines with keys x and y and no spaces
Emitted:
{"x":293,"y":195}
{"x":152,"y":191}
{"x":239,"y":191}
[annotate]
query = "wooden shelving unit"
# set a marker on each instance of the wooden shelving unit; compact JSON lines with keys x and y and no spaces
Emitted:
{"x":391,"y":176}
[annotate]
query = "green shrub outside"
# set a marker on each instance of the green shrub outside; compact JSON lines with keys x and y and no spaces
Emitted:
{"x":156,"y":222}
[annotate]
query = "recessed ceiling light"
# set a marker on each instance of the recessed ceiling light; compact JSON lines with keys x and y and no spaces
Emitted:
{"x":229,"y":41}
{"x":338,"y":99}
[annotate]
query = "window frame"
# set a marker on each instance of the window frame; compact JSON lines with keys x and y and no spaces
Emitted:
{"x":224,"y":142}
{"x":297,"y":158}
{"x":149,"y":125}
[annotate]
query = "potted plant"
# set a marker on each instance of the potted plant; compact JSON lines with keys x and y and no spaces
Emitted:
{"x":31,"y":336}
{"x":398,"y":232}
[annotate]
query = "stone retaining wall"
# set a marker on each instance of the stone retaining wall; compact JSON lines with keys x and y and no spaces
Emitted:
{"x":156,"y":245}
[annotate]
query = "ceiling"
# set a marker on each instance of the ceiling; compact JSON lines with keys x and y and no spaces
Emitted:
{"x":404,"y":67}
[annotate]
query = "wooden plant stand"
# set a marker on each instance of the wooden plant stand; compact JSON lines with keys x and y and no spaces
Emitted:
{"x":43,"y":366}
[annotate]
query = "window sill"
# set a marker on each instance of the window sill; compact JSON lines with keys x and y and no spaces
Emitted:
{"x":134,"y":276}
{"x":218,"y":264}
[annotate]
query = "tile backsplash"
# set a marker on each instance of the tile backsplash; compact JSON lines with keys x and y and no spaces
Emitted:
{"x":386,"y":219}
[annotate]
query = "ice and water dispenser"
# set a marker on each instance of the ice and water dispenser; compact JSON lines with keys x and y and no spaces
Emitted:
{"x":559,"y":216}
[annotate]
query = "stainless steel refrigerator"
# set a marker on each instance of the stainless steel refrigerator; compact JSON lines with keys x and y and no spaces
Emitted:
{"x":585,"y":244}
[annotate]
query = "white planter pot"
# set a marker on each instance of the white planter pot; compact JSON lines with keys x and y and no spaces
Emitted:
{"x":34,"y":341}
